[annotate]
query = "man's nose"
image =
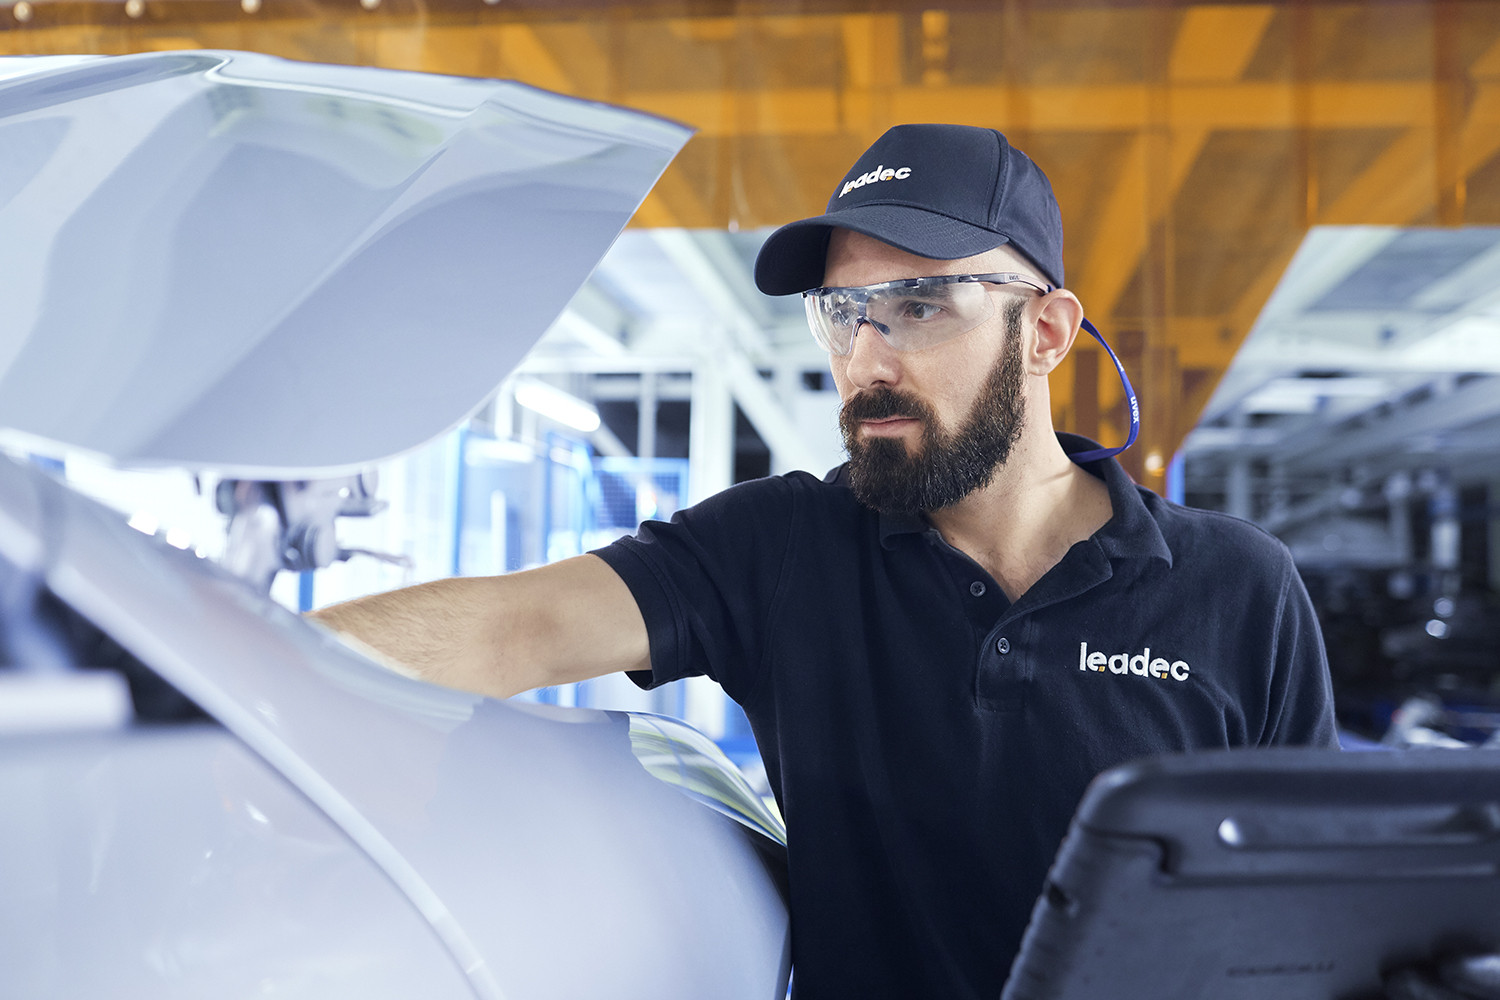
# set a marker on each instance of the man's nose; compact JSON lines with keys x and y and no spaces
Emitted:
{"x":872,"y":361}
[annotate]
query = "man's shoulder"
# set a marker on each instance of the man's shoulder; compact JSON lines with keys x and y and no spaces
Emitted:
{"x":832,"y":488}
{"x":800,"y":494}
{"x":1217,"y":538}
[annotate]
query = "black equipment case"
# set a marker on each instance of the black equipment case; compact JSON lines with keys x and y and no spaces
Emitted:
{"x":1285,"y":874}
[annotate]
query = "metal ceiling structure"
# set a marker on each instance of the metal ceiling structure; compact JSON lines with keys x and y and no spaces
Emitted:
{"x":1193,"y":146}
{"x":1375,"y":364}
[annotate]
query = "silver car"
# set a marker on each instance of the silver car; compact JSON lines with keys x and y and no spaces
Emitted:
{"x":282,"y":273}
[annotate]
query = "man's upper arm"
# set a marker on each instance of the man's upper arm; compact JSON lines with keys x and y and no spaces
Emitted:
{"x":707,"y":583}
{"x":1304,"y":713}
{"x":576,"y":619}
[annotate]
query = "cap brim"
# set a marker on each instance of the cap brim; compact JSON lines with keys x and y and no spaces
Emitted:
{"x":792,"y":258}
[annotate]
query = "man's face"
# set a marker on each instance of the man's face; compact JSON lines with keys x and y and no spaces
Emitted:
{"x":946,"y":464}
{"x":926,"y":428}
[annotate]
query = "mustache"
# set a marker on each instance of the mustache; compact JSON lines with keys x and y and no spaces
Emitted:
{"x":882,"y":404}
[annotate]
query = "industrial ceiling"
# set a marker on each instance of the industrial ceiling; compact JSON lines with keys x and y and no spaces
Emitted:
{"x":1193,"y":147}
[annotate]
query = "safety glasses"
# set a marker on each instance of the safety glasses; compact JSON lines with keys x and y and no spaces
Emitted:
{"x":911,"y":314}
{"x":916,"y":313}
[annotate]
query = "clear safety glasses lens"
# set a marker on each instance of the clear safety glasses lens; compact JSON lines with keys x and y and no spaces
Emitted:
{"x":920,"y":312}
{"x":910,"y":314}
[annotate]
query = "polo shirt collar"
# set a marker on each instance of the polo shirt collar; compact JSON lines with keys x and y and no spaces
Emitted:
{"x":1132,"y":533}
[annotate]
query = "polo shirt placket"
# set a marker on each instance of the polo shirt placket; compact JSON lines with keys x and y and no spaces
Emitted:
{"x":1004,"y":645}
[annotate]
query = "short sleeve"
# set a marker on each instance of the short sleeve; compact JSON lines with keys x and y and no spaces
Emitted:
{"x":1302,"y":705}
{"x":707,"y":582}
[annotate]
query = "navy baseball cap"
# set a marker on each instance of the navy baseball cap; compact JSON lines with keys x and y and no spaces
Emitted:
{"x":939,"y":191}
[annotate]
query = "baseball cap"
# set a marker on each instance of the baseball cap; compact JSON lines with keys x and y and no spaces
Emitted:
{"x":938,"y":191}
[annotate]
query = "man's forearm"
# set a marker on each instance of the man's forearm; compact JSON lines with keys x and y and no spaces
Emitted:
{"x":503,"y":635}
{"x":430,"y":630}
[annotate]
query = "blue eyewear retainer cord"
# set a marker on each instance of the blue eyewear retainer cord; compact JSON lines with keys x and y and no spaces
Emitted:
{"x":1094,"y":454}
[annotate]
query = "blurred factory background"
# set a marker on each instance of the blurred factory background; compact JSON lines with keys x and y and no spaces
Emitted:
{"x":1279,"y":214}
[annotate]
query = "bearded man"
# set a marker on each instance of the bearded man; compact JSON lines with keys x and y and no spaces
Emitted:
{"x":942,"y":642}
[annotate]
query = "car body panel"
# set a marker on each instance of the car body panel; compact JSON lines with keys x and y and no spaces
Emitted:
{"x":171,"y":863}
{"x":279,"y":269}
{"x":517,"y":831}
{"x":273,"y":269}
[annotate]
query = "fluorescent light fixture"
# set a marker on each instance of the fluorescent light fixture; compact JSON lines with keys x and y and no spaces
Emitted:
{"x":554,"y":404}
{"x":1306,"y":395}
{"x":1469,"y":344}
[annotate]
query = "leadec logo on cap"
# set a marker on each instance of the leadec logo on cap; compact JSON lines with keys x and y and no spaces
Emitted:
{"x":880,"y":173}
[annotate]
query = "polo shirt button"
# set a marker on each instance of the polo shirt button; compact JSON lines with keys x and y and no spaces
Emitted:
{"x":977,"y":588}
{"x":1002,"y":645}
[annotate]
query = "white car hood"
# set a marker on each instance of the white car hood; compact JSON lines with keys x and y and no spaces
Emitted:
{"x":277,"y":270}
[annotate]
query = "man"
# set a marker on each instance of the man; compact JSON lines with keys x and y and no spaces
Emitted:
{"x":941,"y":644}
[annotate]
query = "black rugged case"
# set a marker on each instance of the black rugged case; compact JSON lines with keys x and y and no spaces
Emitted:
{"x":1278,"y":874}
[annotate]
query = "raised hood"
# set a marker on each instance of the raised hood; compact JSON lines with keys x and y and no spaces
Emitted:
{"x":274,"y":270}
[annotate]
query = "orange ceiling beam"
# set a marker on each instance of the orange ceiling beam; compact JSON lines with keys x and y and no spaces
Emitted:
{"x":1191,"y":145}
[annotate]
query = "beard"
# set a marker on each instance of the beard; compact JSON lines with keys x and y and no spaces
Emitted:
{"x":946,"y":465}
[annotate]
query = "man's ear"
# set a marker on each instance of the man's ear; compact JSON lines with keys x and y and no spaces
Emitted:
{"x":1057,"y":325}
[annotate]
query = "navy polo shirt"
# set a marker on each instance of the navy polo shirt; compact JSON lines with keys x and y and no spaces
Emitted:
{"x":928,"y":740}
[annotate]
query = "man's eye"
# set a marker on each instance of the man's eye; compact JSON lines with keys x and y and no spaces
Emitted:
{"x":920,"y":311}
